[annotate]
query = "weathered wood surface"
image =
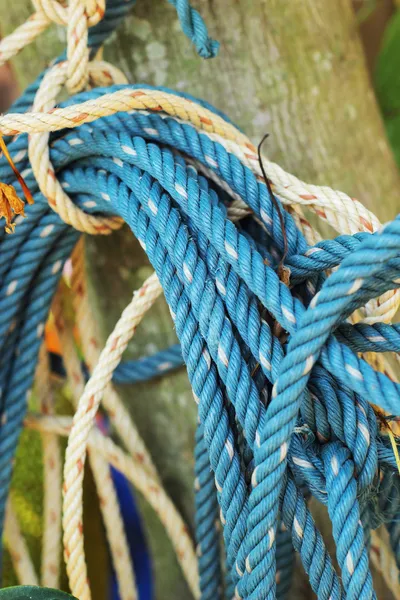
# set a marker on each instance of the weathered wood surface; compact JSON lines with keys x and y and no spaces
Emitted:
{"x":293,"y":68}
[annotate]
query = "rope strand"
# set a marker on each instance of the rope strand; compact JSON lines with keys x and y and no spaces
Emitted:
{"x":282,"y":333}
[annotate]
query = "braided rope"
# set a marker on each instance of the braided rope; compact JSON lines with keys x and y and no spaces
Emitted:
{"x":101,"y":472}
{"x":116,"y":534}
{"x":141,"y":480}
{"x":18,"y":549}
{"x":87,"y":407}
{"x":277,"y":418}
{"x":352,"y":555}
{"x":43,"y":170}
{"x":119,"y":416}
{"x":335,"y":207}
{"x":108,"y":502}
{"x":286,"y":395}
{"x":22,"y":36}
{"x":341,"y":211}
{"x":287,"y":186}
{"x":52,"y":479}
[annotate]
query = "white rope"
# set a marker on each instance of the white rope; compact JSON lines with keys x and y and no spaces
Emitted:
{"x":109,"y":505}
{"x":18,"y":549}
{"x":83,"y":422}
{"x":52,"y":479}
{"x":151,"y":490}
{"x":119,"y":416}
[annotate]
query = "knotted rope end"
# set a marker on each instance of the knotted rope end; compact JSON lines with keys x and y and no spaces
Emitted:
{"x":208,"y":50}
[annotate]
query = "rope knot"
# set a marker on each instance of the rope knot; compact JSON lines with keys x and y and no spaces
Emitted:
{"x":55,"y":12}
{"x":78,"y":16}
{"x":81,"y":15}
{"x":99,"y":73}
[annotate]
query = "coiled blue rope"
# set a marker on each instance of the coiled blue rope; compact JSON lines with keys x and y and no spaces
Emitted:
{"x":278,"y":420}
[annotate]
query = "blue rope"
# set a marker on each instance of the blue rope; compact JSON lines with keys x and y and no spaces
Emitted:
{"x":193,"y":26}
{"x":78,"y":177}
{"x":137,"y":542}
{"x":146,"y":368}
{"x":278,"y":420}
{"x":135,"y":371}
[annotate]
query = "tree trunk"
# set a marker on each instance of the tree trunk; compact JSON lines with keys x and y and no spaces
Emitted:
{"x":293,"y":68}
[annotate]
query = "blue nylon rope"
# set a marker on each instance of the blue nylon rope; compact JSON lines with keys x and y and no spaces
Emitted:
{"x":78,"y":175}
{"x":135,"y":371}
{"x":85,"y":179}
{"x":279,"y":421}
{"x":81,"y":177}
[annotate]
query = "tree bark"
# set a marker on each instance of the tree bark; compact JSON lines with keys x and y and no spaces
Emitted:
{"x":293,"y":68}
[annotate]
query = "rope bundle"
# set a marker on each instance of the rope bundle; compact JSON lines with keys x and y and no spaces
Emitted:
{"x":280,"y":369}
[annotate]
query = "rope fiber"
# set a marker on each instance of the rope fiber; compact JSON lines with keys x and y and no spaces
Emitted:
{"x":283,"y":334}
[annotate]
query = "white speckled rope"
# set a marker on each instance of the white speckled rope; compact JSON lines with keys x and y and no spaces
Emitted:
{"x":381,"y":309}
{"x":343,"y":213}
{"x":337,"y":208}
{"x":61,"y":425}
{"x":288,"y":187}
{"x":346,"y":215}
{"x":18,"y":549}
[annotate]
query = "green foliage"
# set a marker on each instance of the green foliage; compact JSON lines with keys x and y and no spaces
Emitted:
{"x":387,"y":82}
{"x":366,"y":10}
{"x":30,"y":592}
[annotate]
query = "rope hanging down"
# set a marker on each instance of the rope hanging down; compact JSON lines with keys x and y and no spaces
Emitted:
{"x":284,"y":393}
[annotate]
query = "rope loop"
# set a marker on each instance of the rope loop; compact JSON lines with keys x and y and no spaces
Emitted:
{"x":79,"y":14}
{"x":100,"y":73}
{"x":59,"y":14}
